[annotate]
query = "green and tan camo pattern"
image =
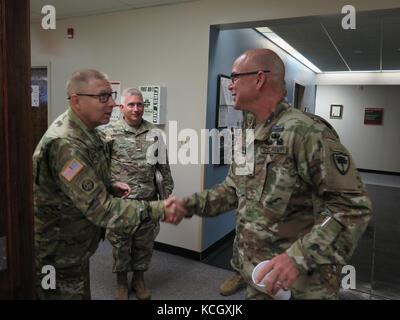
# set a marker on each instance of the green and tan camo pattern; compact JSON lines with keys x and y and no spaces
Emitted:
{"x":303,"y":197}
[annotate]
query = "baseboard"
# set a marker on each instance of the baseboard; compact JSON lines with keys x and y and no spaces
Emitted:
{"x":187,"y":253}
{"x":390,"y":173}
{"x":191,"y":254}
{"x":217,"y":244}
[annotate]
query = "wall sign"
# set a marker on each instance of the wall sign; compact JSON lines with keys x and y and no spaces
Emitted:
{"x":373,"y":116}
{"x":154,"y":99}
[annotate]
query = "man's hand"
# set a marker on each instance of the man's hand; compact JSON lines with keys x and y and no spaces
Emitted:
{"x":283,"y":274}
{"x":174,"y":210}
{"x":121,"y":190}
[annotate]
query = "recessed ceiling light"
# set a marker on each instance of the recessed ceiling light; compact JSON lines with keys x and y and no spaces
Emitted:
{"x":269,"y":34}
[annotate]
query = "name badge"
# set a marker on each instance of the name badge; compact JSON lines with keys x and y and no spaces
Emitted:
{"x":275,"y":149}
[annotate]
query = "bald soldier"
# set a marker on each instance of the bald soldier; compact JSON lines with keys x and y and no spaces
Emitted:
{"x":73,"y":196}
{"x":302,"y":205}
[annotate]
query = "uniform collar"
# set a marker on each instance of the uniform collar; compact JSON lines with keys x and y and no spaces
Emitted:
{"x":263,"y":128}
{"x":144,"y":127}
{"x":92,"y":134}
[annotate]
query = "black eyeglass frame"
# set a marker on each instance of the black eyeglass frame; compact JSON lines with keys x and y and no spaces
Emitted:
{"x":99,"y":96}
{"x":237,"y":75}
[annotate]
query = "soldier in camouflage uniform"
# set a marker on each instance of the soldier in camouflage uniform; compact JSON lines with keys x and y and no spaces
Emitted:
{"x":129,"y":164}
{"x":72,"y":190}
{"x":301,"y":204}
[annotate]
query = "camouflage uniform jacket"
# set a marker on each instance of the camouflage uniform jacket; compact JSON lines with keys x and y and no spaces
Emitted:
{"x":71,"y":174}
{"x":304,"y":196}
{"x":129,"y":163}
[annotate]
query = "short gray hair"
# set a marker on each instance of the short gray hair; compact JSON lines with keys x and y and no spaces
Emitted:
{"x":80,"y":79}
{"x":131,"y":92}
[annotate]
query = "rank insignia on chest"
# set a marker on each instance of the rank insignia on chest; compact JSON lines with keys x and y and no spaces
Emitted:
{"x":95,"y":157}
{"x":341,"y":161}
{"x":275,"y":149}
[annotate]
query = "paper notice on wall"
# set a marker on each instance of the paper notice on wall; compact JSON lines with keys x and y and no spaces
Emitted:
{"x":225,"y":96}
{"x":116,"y":114}
{"x":35,"y":96}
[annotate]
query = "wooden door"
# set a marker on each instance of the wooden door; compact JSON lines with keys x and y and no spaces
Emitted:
{"x":16,"y":145}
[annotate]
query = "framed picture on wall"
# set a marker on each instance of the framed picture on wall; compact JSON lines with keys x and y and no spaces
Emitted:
{"x":336,"y":111}
{"x":373,"y":116}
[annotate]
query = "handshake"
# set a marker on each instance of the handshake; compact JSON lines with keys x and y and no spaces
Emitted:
{"x":173,"y":207}
{"x":174,"y":210}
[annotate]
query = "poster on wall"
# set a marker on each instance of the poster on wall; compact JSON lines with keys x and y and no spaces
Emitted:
{"x":373,"y":116}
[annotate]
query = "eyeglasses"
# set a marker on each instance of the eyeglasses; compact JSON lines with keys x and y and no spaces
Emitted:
{"x":132,"y":104}
{"x":234,"y":76}
{"x":103,"y":97}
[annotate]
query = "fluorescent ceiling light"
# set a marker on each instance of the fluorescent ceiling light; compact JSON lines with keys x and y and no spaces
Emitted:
{"x":268,"y":33}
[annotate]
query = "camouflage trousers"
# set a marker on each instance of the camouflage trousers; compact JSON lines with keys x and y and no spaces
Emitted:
{"x":235,"y":256}
{"x":72,"y":283}
{"x":133,"y":252}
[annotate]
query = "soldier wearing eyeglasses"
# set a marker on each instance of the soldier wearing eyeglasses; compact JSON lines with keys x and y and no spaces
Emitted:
{"x":74,"y":197}
{"x":301,"y":205}
{"x":129,"y":164}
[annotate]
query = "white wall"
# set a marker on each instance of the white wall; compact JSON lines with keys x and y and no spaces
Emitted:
{"x":168,"y":46}
{"x":373,"y":147}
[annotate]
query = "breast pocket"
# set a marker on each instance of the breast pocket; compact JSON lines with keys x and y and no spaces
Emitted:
{"x":281,"y":180}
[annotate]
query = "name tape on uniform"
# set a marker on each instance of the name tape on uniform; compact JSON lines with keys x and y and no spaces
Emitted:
{"x":275,"y":149}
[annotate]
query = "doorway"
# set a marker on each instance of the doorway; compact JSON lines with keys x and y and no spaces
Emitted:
{"x":298,"y":96}
{"x":39,"y":103}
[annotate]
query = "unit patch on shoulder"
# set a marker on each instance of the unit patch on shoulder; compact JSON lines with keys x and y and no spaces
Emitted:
{"x":87,"y":185}
{"x":71,"y":170}
{"x":341,"y":161}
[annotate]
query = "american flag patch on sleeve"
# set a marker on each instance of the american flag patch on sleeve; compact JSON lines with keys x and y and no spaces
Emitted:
{"x":71,"y":170}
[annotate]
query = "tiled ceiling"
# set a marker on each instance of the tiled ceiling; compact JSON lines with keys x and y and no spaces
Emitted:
{"x":373,"y":46}
{"x":81,"y":8}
